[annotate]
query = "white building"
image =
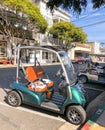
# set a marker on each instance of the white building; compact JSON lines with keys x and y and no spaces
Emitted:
{"x":95,"y":49}
{"x":102,"y":47}
{"x":57,"y":16}
{"x":80,"y":50}
{"x":97,"y":52}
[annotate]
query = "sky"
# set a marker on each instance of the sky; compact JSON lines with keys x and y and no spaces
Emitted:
{"x":92,"y":22}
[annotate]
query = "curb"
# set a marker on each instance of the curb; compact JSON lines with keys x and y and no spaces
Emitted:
{"x":96,"y":112}
{"x":7,"y":66}
{"x":15,"y":65}
{"x":90,"y":125}
{"x":95,"y":104}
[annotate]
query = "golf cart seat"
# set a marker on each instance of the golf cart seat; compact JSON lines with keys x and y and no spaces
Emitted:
{"x":37,"y":83}
{"x":40,"y":74}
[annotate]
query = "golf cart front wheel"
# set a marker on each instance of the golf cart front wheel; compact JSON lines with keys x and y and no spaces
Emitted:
{"x":14,"y":99}
{"x":76,"y":114}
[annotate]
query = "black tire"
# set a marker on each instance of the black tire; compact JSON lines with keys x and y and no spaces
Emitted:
{"x":76,"y":114}
{"x":82,"y":79}
{"x":14,"y":99}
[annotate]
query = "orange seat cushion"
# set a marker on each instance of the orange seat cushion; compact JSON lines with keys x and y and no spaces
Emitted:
{"x":37,"y":86}
{"x":50,"y":84}
{"x":31,"y":75}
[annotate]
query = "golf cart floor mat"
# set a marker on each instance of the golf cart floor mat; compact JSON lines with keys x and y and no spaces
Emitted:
{"x":55,"y":103}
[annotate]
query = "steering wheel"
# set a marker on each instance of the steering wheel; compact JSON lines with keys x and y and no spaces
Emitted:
{"x":59,"y":73}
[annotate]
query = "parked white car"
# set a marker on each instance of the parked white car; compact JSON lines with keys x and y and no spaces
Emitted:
{"x":95,"y":74}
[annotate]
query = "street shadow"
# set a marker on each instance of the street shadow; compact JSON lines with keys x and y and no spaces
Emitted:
{"x":44,"y":111}
{"x":38,"y":109}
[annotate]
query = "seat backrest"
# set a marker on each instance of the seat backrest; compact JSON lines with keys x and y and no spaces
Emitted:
{"x":39,"y":71}
{"x":31,"y":74}
{"x":34,"y":73}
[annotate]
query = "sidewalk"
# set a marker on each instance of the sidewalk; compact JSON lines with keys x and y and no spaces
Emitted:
{"x":7,"y":66}
{"x":24,"y":118}
{"x":96,"y":114}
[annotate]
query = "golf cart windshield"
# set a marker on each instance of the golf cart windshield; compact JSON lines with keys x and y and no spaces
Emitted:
{"x":68,"y":67}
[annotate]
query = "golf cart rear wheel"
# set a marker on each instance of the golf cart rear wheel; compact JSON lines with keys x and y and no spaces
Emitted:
{"x":76,"y":115}
{"x":83,"y":79}
{"x":14,"y":99}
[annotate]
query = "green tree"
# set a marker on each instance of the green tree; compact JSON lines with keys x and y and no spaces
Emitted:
{"x":75,"y":5}
{"x":19,"y":18}
{"x":68,"y":32}
{"x":27,"y":8}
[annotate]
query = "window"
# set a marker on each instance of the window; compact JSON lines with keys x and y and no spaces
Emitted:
{"x":2,"y":49}
{"x":44,"y":55}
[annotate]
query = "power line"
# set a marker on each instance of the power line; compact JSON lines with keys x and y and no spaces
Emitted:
{"x":88,"y":15}
{"x":93,"y":24}
{"x":100,"y":22}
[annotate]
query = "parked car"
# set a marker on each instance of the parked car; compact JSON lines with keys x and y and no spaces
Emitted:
{"x":80,"y":60}
{"x":96,"y":74}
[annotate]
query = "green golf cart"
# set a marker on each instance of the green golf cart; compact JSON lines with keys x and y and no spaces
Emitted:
{"x":45,"y":78}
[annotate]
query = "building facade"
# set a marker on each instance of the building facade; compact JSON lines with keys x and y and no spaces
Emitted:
{"x":97,"y":52}
{"x":42,"y":39}
{"x":58,"y":14}
{"x":80,"y":50}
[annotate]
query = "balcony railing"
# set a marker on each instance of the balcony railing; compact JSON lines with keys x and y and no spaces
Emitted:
{"x":51,"y":41}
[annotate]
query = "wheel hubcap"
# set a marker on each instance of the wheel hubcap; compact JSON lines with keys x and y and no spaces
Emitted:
{"x":12,"y":99}
{"x":82,"y":79}
{"x":74,"y":116}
